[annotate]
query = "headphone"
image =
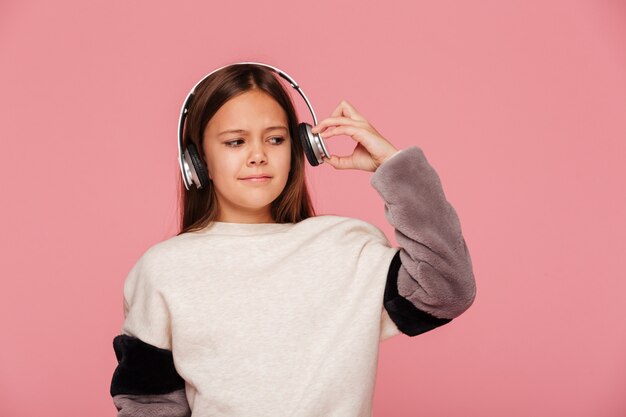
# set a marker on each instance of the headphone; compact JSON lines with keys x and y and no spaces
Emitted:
{"x":194,"y":170}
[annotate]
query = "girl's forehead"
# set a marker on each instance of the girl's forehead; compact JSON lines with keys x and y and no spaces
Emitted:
{"x":248,"y":112}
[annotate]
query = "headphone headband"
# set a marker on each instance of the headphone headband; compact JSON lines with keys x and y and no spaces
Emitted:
{"x":184,"y":167}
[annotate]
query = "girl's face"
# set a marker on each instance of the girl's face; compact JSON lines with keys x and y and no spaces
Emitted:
{"x":248,"y":135}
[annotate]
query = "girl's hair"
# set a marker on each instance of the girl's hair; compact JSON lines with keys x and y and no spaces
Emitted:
{"x":199,"y":208}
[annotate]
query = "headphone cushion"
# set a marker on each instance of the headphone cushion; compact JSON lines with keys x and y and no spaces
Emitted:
{"x":307,"y":141}
{"x":198,"y":165}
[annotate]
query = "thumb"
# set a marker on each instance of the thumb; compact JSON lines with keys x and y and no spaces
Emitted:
{"x":337,"y":162}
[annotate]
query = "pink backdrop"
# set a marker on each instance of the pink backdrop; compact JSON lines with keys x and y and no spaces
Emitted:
{"x":520,"y":106}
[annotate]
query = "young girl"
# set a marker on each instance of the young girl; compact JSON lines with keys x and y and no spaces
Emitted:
{"x":260,"y":307}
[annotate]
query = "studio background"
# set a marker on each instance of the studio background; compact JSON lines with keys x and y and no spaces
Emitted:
{"x":519,"y":106}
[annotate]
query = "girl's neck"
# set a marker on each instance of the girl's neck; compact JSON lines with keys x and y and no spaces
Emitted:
{"x":229,"y":216}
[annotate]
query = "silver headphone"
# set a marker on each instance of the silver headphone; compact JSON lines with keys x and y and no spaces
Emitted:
{"x":194,"y":170}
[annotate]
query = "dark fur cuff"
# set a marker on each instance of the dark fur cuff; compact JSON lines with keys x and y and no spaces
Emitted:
{"x":143,"y":368}
{"x":408,"y":318}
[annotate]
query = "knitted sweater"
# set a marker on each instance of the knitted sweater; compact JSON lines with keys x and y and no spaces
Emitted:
{"x":285,"y":319}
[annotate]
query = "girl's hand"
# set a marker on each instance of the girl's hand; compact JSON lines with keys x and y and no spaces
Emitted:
{"x":371,"y":150}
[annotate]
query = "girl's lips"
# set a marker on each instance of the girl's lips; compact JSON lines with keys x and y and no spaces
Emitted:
{"x":261,"y":179}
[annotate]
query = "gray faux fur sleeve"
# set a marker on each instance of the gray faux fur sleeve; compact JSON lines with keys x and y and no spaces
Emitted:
{"x":435,"y":274}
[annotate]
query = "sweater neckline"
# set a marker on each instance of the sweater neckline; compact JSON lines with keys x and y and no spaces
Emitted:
{"x":245,"y":229}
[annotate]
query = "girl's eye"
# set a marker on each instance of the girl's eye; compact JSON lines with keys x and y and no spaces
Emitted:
{"x":230,"y":144}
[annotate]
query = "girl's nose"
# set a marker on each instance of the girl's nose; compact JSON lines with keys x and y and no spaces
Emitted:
{"x":257,"y":154}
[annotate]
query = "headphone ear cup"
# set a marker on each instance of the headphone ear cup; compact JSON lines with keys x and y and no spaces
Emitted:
{"x":307,"y":140}
{"x":199,"y":168}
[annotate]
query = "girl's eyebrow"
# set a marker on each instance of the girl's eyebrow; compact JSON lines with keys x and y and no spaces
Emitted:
{"x":245,"y":131}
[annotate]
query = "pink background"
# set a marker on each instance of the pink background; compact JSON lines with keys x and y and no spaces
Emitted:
{"x":520,"y":106}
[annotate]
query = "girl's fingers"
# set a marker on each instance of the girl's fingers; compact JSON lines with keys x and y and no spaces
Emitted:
{"x":371,"y":148}
{"x":344,"y":111}
{"x":350,"y":111}
{"x":339,"y":162}
{"x":335,"y":121}
{"x":340,"y":130}
{"x":338,"y":111}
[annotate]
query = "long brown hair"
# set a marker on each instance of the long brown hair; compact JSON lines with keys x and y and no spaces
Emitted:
{"x":199,"y":208}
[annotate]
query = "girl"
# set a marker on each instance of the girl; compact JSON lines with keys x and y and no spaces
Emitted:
{"x":260,"y":307}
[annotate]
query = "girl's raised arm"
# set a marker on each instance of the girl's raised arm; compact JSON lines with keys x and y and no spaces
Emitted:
{"x":430,"y":280}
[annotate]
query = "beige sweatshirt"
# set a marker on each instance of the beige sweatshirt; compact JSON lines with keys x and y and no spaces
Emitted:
{"x":285,"y":319}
